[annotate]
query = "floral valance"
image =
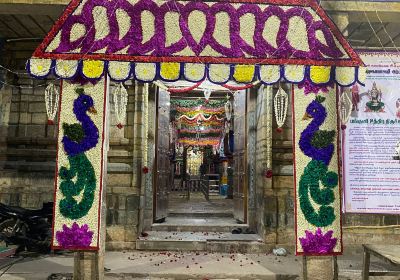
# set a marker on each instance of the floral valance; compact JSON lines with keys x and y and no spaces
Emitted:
{"x":194,"y":72}
{"x":241,"y":40}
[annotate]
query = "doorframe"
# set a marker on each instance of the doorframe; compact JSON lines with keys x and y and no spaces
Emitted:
{"x":149,"y":195}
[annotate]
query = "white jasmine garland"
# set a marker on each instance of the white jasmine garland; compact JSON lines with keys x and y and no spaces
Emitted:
{"x":281,"y":105}
{"x":120,"y":101}
{"x":51,"y":96}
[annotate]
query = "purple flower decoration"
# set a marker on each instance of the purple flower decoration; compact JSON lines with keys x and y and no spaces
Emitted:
{"x":312,"y":88}
{"x":318,"y":243}
{"x":74,"y":237}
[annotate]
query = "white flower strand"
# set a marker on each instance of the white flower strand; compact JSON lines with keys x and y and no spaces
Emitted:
{"x":51,"y":96}
{"x":345,"y":106}
{"x":228,"y":110}
{"x":281,"y":106}
{"x":120,"y":102}
{"x":269,"y":94}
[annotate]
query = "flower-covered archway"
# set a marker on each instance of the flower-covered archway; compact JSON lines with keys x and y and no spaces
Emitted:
{"x":247,"y":41}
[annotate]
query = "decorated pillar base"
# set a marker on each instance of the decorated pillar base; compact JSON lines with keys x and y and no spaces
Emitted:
{"x":88,"y":266}
{"x":320,"y":268}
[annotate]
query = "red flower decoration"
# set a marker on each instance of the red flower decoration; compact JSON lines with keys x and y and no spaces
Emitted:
{"x":145,"y":169}
{"x":279,"y":129}
{"x":120,"y":126}
{"x":268,"y":173}
{"x":50,"y":122}
{"x":343,"y":126}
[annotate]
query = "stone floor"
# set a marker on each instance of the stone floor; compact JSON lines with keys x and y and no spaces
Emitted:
{"x":216,"y":206}
{"x":188,"y":265}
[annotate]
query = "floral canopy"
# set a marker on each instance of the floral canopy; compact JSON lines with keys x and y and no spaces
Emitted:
{"x":241,"y":40}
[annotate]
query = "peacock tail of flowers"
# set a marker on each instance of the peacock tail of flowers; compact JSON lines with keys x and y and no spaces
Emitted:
{"x":315,"y":172}
{"x":74,"y":237}
{"x":80,"y":177}
{"x":318,"y":243}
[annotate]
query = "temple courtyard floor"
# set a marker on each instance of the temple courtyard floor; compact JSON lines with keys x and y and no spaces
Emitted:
{"x":185,"y":265}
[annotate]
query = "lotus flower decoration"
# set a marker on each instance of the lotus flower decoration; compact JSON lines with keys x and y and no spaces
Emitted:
{"x":74,"y":237}
{"x":318,"y":243}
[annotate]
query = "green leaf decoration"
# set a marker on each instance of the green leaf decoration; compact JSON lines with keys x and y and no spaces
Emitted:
{"x":79,"y":91}
{"x":320,"y":99}
{"x":73,"y":131}
{"x":323,"y":138}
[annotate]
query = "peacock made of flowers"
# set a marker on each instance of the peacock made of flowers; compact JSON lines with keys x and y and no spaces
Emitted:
{"x":79,"y":180}
{"x":317,"y":144}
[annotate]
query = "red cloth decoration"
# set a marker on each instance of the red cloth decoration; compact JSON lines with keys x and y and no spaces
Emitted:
{"x":181,"y":90}
{"x":120,"y":126}
{"x":279,"y":129}
{"x":238,"y":87}
{"x":50,"y":122}
{"x":145,"y":169}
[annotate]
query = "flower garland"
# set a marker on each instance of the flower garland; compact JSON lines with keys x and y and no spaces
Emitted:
{"x":51,"y":96}
{"x":120,"y":102}
{"x":184,"y":103}
{"x":268,"y":93}
{"x":316,"y":173}
{"x":281,"y":103}
{"x":209,"y":141}
{"x":345,"y":107}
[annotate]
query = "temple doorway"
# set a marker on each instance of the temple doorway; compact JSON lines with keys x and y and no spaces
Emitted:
{"x":200,"y":178}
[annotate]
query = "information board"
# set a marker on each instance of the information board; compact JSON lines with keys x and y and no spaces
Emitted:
{"x":371,"y":164}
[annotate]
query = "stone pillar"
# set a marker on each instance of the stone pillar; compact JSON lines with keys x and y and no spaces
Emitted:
{"x":90,"y":265}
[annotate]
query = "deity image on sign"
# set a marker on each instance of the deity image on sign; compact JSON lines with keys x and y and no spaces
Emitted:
{"x":355,"y":97}
{"x":375,"y":104}
{"x":397,"y":151}
{"x":398,"y":108}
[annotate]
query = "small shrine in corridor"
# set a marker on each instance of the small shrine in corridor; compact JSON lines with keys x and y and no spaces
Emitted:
{"x":238,"y":45}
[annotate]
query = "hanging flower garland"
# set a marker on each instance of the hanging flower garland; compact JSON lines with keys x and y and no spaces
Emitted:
{"x":51,"y":96}
{"x":269,"y":96}
{"x":196,"y":103}
{"x":345,"y":106}
{"x":281,"y":103}
{"x":200,"y":142}
{"x":200,"y":117}
{"x":228,"y":110}
{"x":120,"y":101}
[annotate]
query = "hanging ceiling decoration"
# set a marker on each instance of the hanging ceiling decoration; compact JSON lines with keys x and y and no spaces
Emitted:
{"x":156,"y":40}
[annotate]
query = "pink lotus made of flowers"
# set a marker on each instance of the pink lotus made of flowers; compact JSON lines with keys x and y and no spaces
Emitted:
{"x":318,"y":243}
{"x":74,"y":237}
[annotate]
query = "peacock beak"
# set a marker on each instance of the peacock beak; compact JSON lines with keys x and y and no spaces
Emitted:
{"x":306,"y":116}
{"x":92,"y":110}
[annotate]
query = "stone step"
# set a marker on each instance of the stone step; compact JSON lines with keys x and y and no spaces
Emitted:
{"x":196,"y":241}
{"x":201,"y":214}
{"x":198,"y":224}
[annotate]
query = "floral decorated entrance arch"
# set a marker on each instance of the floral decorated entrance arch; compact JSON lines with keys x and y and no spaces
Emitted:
{"x":246,"y":41}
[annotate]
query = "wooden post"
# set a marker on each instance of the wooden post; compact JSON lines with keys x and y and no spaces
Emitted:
{"x":365,"y":268}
